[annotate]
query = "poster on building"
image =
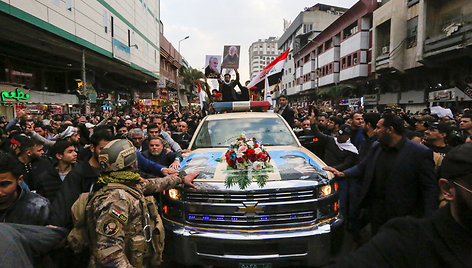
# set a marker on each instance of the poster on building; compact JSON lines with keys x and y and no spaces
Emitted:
{"x":231,"y":57}
{"x":213,"y":66}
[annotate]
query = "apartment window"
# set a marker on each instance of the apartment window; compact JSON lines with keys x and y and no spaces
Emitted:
{"x":304,"y":28}
{"x":349,"y":61}
{"x":112,"y":27}
{"x":289,"y":70}
{"x":129,"y":38}
{"x":412,"y":29}
{"x":69,"y":4}
{"x":354,"y":59}
{"x":105,"y":20}
{"x":289,"y":57}
{"x":412,"y":2}
{"x":343,"y":63}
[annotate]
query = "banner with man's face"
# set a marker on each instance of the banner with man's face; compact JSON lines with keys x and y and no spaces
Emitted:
{"x":231,"y":57}
{"x":212,"y":66}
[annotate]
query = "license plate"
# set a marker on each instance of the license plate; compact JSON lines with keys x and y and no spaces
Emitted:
{"x":255,"y":265}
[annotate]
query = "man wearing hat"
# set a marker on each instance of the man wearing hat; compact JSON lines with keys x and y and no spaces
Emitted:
{"x":340,"y":154}
{"x":435,"y":138}
{"x":443,"y":240}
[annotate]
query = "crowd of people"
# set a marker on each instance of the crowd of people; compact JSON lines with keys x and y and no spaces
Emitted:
{"x":393,"y":165}
{"x":387,"y":166}
{"x":48,"y":161}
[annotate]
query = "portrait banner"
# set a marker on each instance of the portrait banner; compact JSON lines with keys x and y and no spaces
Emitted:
{"x":231,"y":57}
{"x":212,"y":66}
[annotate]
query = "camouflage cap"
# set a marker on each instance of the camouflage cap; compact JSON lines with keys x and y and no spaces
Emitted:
{"x":117,"y":155}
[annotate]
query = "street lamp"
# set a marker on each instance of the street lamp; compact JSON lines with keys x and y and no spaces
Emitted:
{"x":183,"y":40}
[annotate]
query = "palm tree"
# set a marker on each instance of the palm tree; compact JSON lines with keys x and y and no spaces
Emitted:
{"x":189,"y":79}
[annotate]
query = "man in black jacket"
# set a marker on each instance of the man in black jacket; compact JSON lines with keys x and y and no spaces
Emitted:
{"x":50,"y":179}
{"x":284,"y":110}
{"x":16,"y":204}
{"x":397,"y":176}
{"x":443,"y":240}
{"x":79,"y":180}
{"x":227,"y":87}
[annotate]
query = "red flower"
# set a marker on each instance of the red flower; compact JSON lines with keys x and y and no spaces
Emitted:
{"x":260,"y":155}
{"x":253,"y":157}
{"x":256,"y":145}
{"x":231,"y":162}
{"x":250,"y":152}
{"x":240,"y":160}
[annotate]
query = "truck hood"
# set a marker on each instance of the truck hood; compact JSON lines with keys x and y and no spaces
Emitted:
{"x":292,"y":165}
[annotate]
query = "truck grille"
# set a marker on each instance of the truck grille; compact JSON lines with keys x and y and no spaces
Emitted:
{"x":258,"y":208}
{"x":265,"y":196}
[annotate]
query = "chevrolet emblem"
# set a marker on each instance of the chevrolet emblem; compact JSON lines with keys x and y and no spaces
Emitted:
{"x":250,"y":208}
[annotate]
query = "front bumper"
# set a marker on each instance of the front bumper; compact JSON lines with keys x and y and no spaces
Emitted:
{"x":299,"y":247}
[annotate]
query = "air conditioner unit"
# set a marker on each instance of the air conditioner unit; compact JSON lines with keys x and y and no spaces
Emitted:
{"x":385,"y":50}
{"x":355,"y":60}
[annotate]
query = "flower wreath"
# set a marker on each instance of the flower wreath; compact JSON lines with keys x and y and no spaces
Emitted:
{"x":247,"y":160}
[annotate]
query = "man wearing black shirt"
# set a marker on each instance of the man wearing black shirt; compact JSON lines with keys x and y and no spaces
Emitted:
{"x":435,"y":138}
{"x":227,"y":87}
{"x":397,"y":176}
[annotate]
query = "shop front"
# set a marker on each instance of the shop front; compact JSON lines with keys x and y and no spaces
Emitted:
{"x":37,"y":102}
{"x":452,"y":98}
{"x":413,"y":101}
{"x":370,"y":102}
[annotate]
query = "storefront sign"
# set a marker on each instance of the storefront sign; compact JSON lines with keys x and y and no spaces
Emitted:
{"x":371,"y":99}
{"x":355,"y":102}
{"x":17,"y":95}
{"x":442,"y":95}
{"x":121,"y":51}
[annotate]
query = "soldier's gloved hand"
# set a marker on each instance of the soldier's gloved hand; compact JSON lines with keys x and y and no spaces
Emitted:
{"x":188,"y":179}
{"x":169,"y":172}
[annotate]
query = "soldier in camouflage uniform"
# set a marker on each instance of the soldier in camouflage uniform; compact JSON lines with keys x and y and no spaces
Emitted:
{"x":123,"y":226}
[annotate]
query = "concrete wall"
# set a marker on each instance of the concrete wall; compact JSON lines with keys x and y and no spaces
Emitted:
{"x":87,"y":19}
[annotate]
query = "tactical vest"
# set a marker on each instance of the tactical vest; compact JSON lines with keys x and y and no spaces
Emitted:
{"x":142,"y":243}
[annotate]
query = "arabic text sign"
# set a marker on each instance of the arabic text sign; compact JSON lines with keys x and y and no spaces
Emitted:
{"x":17,"y":95}
{"x":121,"y":51}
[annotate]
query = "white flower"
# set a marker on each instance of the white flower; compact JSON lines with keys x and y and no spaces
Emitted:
{"x":257,"y":150}
{"x":250,"y":144}
{"x":239,"y":154}
{"x":258,"y":165}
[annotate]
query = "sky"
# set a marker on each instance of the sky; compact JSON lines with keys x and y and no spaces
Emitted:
{"x":212,"y":24}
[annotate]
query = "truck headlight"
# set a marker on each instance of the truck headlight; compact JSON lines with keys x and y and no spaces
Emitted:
{"x":174,"y":194}
{"x":325,"y":190}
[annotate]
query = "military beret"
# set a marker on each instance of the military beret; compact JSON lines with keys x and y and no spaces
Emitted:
{"x":458,"y":162}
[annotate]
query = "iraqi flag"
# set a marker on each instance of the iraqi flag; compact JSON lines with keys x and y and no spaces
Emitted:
{"x":273,"y":72}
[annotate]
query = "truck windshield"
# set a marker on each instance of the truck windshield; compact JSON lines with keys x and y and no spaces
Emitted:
{"x":220,"y":133}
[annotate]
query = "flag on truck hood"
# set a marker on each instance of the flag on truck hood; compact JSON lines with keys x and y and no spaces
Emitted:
{"x":273,"y":72}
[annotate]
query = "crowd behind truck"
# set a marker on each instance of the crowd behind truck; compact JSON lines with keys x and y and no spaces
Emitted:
{"x":389,"y":166}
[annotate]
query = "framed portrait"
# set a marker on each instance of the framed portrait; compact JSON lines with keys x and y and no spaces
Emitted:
{"x":231,"y":57}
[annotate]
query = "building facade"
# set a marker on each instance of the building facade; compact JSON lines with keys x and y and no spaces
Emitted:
{"x":54,"y":45}
{"x":306,"y":26}
{"x":171,"y":63}
{"x":261,"y":53}
{"x":422,"y":54}
{"x":339,"y":57}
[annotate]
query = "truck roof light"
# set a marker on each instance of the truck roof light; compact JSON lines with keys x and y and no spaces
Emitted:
{"x":241,"y":106}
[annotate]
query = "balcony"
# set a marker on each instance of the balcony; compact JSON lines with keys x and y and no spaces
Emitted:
{"x":328,"y":79}
{"x":455,"y":36}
